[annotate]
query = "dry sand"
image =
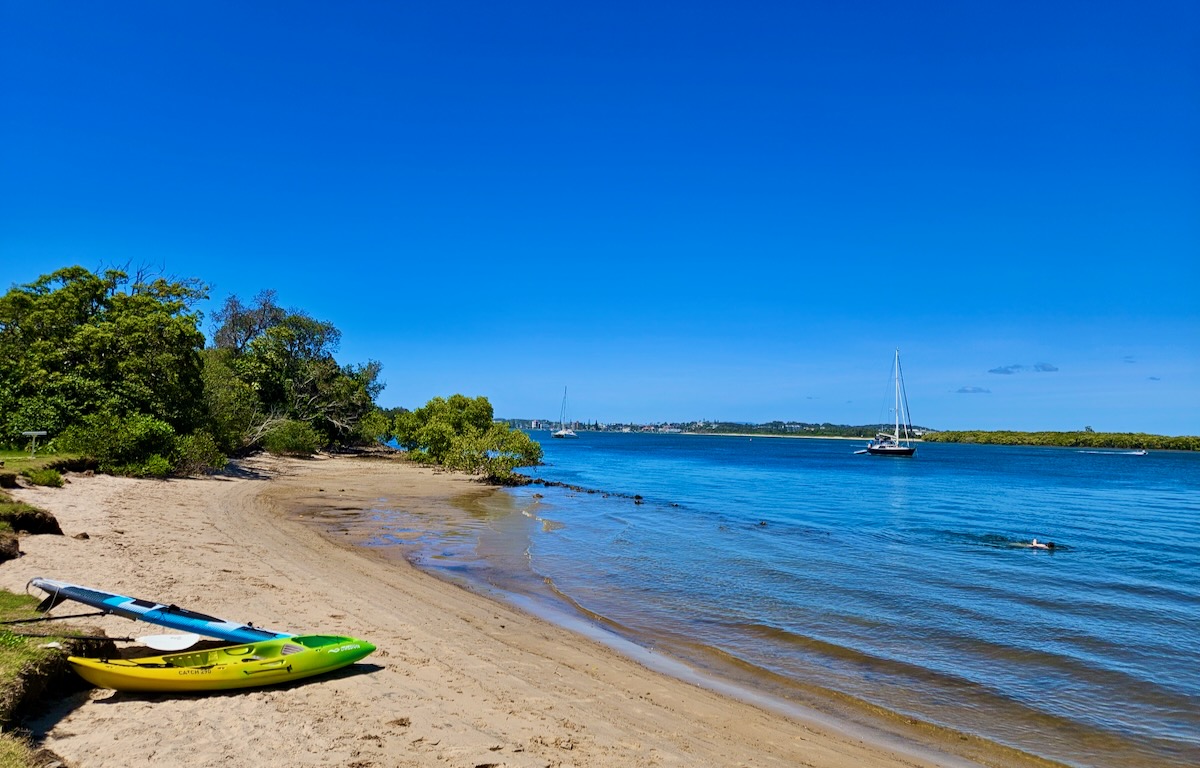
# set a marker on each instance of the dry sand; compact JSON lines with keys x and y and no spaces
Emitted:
{"x":458,"y":680}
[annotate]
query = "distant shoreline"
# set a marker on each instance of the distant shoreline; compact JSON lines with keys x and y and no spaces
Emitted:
{"x":725,"y":434}
{"x":785,"y":437}
{"x":1050,"y":439}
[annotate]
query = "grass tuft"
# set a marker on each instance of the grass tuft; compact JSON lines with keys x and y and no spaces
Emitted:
{"x":15,"y":752}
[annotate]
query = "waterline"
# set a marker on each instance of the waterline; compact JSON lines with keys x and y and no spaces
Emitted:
{"x":903,"y":586}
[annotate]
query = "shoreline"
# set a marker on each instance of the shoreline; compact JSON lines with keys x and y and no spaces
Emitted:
{"x":460,"y":678}
{"x":710,"y":667}
{"x":785,"y":437}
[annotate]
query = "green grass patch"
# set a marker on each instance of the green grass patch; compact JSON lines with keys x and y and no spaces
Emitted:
{"x":16,"y":650}
{"x":15,"y":752}
{"x":19,"y":461}
{"x":47,"y":476}
{"x":19,"y":516}
{"x":16,"y":653}
{"x":17,"y":606}
{"x":21,"y":657}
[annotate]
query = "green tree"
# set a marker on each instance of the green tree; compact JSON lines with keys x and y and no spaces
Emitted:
{"x":292,"y":438}
{"x":136,"y":444}
{"x":237,"y":324}
{"x":286,"y":358}
{"x":374,"y":427}
{"x":232,"y":405}
{"x":459,"y":433}
{"x":75,"y":344}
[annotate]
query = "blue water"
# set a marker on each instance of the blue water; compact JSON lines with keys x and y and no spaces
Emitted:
{"x":790,"y":564}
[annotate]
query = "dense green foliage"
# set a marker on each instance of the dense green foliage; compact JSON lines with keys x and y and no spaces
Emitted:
{"x":291,"y":438}
{"x":232,"y":405}
{"x":197,"y":453}
{"x":73,"y":344}
{"x":1085,"y":439}
{"x":114,"y":368}
{"x":272,"y":366}
{"x":126,"y":445}
{"x":374,"y":427}
{"x":460,"y":433}
{"x":99,"y":360}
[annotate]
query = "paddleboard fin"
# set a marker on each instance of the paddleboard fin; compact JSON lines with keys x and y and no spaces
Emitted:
{"x":53,"y":597}
{"x":51,"y":601}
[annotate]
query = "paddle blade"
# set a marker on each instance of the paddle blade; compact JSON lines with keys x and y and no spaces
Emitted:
{"x":169,"y":642}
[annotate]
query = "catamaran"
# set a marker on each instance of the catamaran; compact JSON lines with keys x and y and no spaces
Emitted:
{"x":563,"y":429}
{"x":898,"y":442}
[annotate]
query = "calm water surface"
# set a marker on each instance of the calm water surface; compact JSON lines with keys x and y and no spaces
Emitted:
{"x":905,"y":583}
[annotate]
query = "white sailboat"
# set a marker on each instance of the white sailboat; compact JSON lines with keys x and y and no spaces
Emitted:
{"x":898,"y":442}
{"x":563,"y":430}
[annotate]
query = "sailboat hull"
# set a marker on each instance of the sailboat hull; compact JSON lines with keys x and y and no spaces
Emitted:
{"x":890,"y":450}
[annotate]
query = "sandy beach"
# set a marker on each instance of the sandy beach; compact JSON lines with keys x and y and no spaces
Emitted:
{"x":458,"y":680}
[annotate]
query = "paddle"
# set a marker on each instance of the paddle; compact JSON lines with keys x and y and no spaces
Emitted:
{"x":157,"y":642}
{"x":169,"y":642}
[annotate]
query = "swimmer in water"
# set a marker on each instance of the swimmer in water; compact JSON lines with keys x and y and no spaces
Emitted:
{"x":1039,"y":545}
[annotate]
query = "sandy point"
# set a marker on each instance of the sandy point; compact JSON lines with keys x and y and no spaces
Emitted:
{"x":457,"y":680}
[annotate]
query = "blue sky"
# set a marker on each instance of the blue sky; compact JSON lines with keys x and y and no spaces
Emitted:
{"x":677,"y":210}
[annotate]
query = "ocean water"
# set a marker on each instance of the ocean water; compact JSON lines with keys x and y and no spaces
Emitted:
{"x":794,"y":564}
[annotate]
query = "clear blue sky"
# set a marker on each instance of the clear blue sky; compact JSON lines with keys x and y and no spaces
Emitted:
{"x":702,"y":210}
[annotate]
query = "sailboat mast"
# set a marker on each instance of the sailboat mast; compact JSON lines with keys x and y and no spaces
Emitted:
{"x":896,"y":374}
{"x":562,"y":415}
{"x":902,"y":400}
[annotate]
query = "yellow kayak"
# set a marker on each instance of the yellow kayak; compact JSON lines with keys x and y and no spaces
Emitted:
{"x":269,"y":662}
